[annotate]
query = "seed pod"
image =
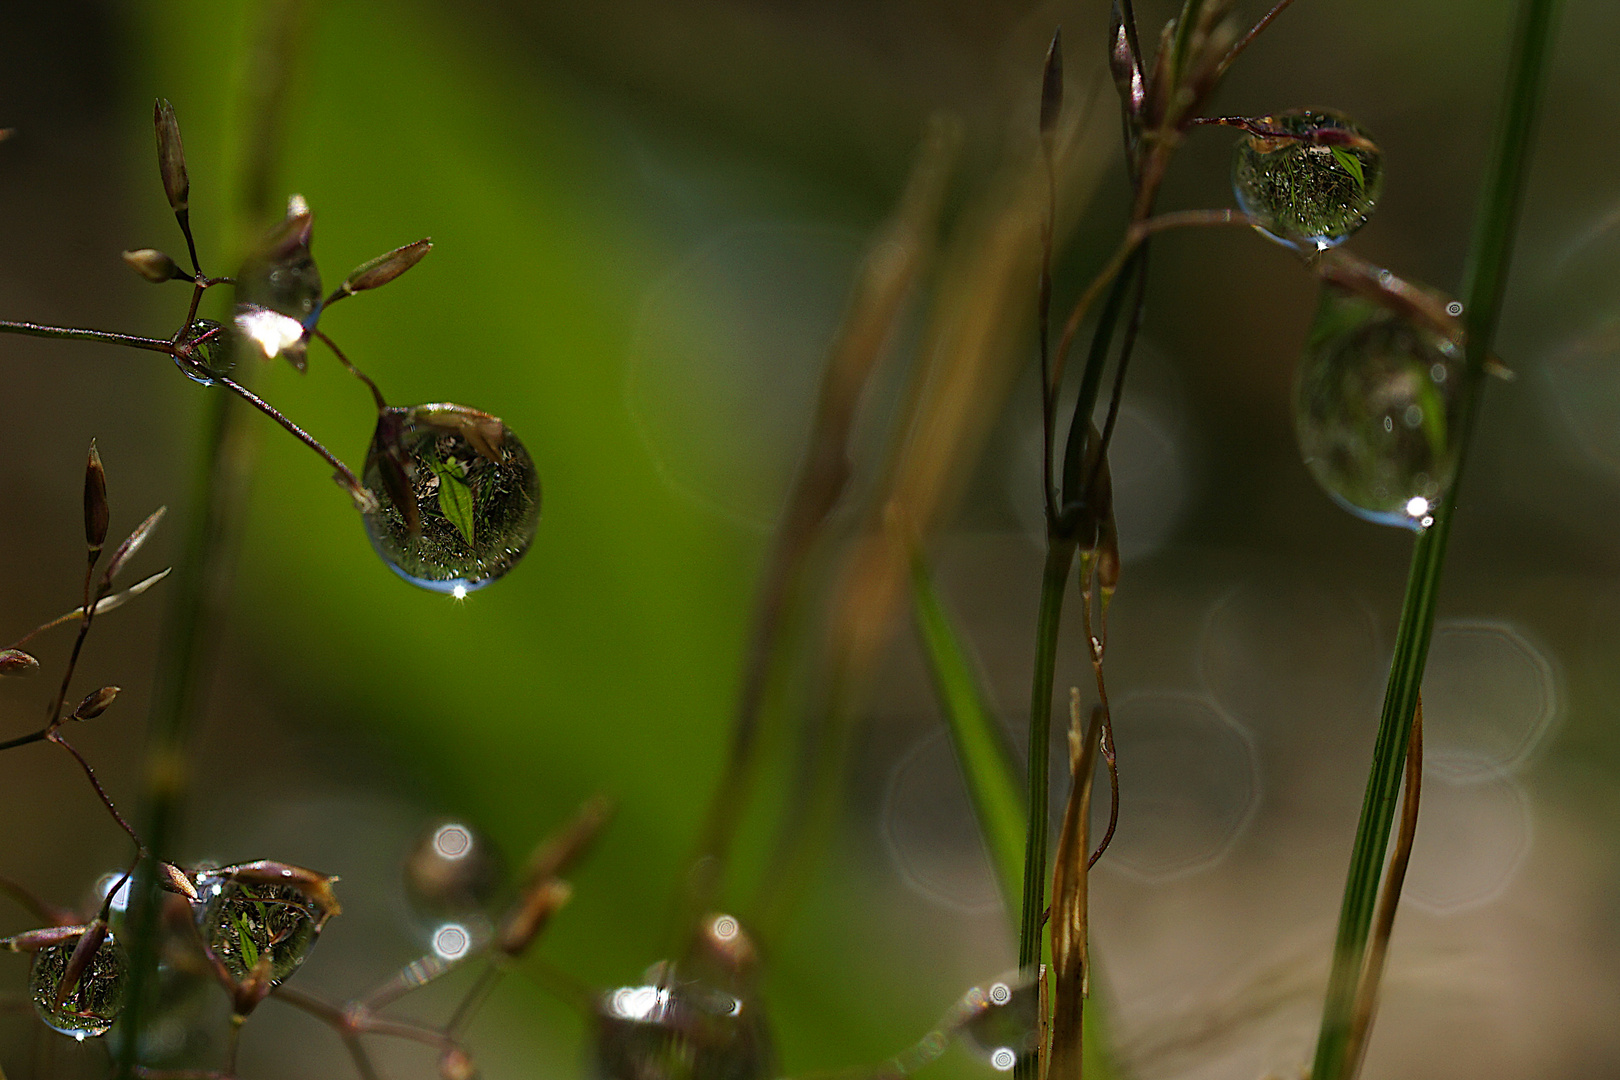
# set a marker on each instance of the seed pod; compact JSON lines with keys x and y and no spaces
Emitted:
{"x":95,"y":703}
{"x":154,"y":266}
{"x":385,"y":268}
{"x":171,"y":156}
{"x":255,"y":988}
{"x":17,"y":662}
{"x":132,"y":543}
{"x":176,"y":880}
{"x":531,"y":915}
{"x":95,"y":501}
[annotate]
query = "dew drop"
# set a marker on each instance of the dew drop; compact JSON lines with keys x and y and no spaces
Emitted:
{"x":703,"y":1021}
{"x":243,"y":921}
{"x":278,"y":289}
{"x":205,"y":352}
{"x":1312,"y":184}
{"x":1365,"y":367}
{"x":94,"y":1003}
{"x":458,"y":498}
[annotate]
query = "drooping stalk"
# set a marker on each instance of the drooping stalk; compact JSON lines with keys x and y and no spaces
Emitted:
{"x":1485,"y":280}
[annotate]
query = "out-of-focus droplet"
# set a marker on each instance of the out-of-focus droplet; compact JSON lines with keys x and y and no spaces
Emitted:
{"x":243,"y":921}
{"x":998,"y":1021}
{"x":930,"y":832}
{"x":94,"y":1002}
{"x":700,"y":1019}
{"x":452,"y":871}
{"x":1377,"y":403}
{"x":205,"y":352}
{"x":281,"y":275}
{"x":1312,"y":184}
{"x":458,"y":498}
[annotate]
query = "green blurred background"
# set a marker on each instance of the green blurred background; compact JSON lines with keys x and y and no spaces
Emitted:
{"x":645,"y":218}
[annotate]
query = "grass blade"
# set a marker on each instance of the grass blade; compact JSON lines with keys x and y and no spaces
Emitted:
{"x":981,"y":748}
{"x":1485,"y":282}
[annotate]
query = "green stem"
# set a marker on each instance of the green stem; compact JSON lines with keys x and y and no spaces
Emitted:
{"x":1485,"y":281}
{"x":1059,"y":560}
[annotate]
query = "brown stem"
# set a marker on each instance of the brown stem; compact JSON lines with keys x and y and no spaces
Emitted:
{"x":73,"y":333}
{"x":1243,"y":43}
{"x":376,"y":394}
{"x":101,"y":793}
{"x":350,"y":481}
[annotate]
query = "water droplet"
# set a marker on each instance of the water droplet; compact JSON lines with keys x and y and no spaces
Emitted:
{"x":451,"y":941}
{"x":1311,"y":185}
{"x":458,"y":496}
{"x":205,"y":352}
{"x":1364,"y":366}
{"x":1454,"y":308}
{"x":998,"y":1021}
{"x":702,"y":1022}
{"x":94,"y":1003}
{"x":279,"y":284}
{"x":242,"y":921}
{"x":452,"y":871}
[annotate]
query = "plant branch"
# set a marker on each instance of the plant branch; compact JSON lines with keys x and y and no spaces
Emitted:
{"x":70,"y":333}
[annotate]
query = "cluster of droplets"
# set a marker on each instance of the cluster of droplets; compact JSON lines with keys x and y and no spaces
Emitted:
{"x":698,"y":1019}
{"x":1308,"y":177}
{"x":457,"y":496}
{"x":1377,"y":405}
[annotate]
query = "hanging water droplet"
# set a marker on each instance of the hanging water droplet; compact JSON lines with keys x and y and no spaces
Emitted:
{"x":242,"y":921}
{"x":205,"y":352}
{"x":998,"y":1021}
{"x":1310,"y":178}
{"x":1377,"y":402}
{"x":278,"y":289}
{"x":94,"y":1002}
{"x":703,"y":1023}
{"x":458,"y":498}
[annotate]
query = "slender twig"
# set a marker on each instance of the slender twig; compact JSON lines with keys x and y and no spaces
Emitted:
{"x":1486,"y":277}
{"x":101,"y":792}
{"x":350,"y":481}
{"x":376,"y":394}
{"x":1247,"y":39}
{"x":72,"y":333}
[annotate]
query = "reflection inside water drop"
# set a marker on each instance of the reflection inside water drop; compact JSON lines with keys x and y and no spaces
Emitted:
{"x":458,"y":498}
{"x":1311,"y":191}
{"x":94,"y":1002}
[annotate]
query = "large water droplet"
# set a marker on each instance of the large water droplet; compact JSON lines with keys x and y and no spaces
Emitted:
{"x":244,"y":921}
{"x":1313,"y":183}
{"x":278,"y":289}
{"x":702,"y":1022}
{"x":94,"y":1002}
{"x":458,"y":498}
{"x":1377,"y":402}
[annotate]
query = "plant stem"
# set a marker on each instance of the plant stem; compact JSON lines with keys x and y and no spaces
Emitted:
{"x":1054,"y":580}
{"x":1485,"y":280}
{"x":73,"y":333}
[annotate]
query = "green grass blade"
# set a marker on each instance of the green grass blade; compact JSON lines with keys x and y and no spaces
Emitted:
{"x":992,"y":779}
{"x":1485,"y":282}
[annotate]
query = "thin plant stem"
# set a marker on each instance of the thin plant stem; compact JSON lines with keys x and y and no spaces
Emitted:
{"x":101,"y":792}
{"x":1389,"y":899}
{"x":1054,"y":583}
{"x":1485,"y":279}
{"x":73,"y":333}
{"x":350,"y":481}
{"x":376,"y":394}
{"x":1248,"y":39}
